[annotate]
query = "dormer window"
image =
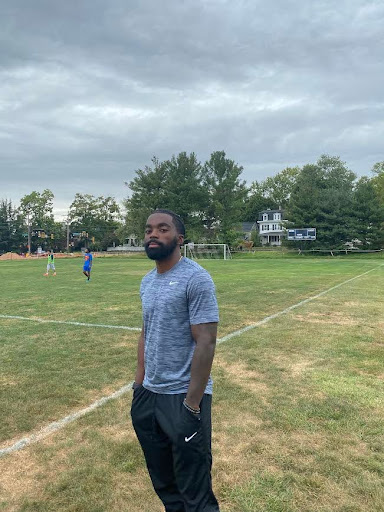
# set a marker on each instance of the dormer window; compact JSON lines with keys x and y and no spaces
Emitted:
{"x":265,"y":216}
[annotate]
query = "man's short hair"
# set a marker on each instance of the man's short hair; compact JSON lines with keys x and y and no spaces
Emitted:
{"x":177,"y":221}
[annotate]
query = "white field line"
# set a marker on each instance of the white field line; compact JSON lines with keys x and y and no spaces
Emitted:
{"x":44,"y":321}
{"x":290,"y":308}
{"x":57,"y":425}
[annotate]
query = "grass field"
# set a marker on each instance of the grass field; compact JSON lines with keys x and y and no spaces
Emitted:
{"x":298,"y":409}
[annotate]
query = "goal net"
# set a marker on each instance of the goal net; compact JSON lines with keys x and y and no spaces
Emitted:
{"x":207,"y":251}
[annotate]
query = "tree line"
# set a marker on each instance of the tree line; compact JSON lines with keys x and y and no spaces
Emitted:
{"x":92,"y":222}
{"x":213,"y":200}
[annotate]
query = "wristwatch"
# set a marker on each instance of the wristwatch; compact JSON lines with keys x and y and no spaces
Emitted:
{"x":135,"y":385}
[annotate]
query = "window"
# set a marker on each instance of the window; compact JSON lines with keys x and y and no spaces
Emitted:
{"x":265,"y":216}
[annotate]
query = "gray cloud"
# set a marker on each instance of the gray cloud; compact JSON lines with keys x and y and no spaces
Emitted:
{"x":90,"y":91}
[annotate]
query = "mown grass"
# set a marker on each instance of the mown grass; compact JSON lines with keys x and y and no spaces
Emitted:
{"x":298,"y":405}
{"x":307,"y":401}
{"x":48,"y":370}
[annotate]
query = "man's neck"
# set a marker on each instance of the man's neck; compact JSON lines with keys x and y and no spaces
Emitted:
{"x":165,"y":265}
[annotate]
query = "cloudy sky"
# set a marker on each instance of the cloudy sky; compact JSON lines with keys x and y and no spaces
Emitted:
{"x":90,"y":90}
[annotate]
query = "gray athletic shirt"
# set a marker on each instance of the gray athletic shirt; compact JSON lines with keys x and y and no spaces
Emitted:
{"x":172,"y":302}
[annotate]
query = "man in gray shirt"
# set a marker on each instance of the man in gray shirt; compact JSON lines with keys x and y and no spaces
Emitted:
{"x":171,"y":406}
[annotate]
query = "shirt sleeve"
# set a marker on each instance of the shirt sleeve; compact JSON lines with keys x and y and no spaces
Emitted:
{"x":141,"y":290}
{"x":202,"y":302}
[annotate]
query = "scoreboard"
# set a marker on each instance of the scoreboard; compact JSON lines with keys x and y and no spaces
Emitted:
{"x":301,"y":234}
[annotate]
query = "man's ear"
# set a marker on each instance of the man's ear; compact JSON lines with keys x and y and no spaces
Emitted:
{"x":181,"y":239}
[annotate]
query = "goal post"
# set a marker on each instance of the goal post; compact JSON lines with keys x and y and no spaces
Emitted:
{"x":207,"y":251}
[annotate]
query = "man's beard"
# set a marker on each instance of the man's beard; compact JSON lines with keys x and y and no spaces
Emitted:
{"x":162,"y":251}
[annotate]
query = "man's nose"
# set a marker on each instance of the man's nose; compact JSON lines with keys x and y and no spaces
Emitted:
{"x":154,"y":234}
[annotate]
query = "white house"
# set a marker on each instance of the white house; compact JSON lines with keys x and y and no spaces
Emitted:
{"x":271,"y":228}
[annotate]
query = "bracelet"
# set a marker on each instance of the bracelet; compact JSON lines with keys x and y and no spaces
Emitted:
{"x":190,"y":409}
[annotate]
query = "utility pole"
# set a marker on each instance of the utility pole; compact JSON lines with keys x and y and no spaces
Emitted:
{"x":29,"y":234}
{"x":67,"y":235}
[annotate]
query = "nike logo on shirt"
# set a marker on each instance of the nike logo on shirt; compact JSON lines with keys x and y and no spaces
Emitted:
{"x":187,"y":439}
{"x":173,"y":282}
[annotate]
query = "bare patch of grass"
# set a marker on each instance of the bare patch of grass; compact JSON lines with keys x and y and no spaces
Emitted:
{"x":6,"y":381}
{"x":249,"y":379}
{"x":135,"y":494}
{"x":334,"y":318}
{"x":18,"y":475}
{"x":299,"y":367}
{"x":122,"y":344}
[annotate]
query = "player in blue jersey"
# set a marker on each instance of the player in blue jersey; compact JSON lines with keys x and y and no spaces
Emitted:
{"x":87,"y":267}
{"x":171,"y":407}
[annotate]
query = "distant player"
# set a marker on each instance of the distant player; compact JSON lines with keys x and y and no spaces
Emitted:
{"x":87,"y":267}
{"x":51,"y":263}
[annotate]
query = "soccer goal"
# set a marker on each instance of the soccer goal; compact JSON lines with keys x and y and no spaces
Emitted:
{"x":207,"y":251}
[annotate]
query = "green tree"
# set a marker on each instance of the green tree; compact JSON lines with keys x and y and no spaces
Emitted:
{"x":255,"y":238}
{"x":57,"y":237}
{"x":98,"y":217}
{"x":174,"y":184}
{"x":39,"y":205}
{"x":278,"y":188}
{"x":148,"y":194}
{"x":368,"y":215}
{"x":11,"y":228}
{"x":227,"y":194}
{"x":323,"y":198}
{"x":378,"y":168}
{"x":184,"y":193}
{"x":273,"y":193}
{"x":255,"y":202}
{"x":378,"y":179}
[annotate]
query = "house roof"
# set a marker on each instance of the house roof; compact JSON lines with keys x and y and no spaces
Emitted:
{"x":270,"y":214}
{"x":247,"y":227}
